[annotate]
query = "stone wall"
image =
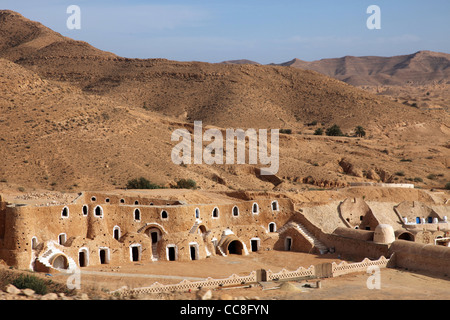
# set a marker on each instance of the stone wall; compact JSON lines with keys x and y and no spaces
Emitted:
{"x":356,"y":244}
{"x":102,"y":224}
{"x":421,"y":257}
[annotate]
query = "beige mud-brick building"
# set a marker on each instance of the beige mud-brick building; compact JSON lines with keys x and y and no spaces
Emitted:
{"x":109,"y":228}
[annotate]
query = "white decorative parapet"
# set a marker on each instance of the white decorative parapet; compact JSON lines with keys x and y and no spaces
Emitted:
{"x":187,"y":285}
{"x":235,"y":280}
{"x":346,"y":268}
{"x":285,"y":274}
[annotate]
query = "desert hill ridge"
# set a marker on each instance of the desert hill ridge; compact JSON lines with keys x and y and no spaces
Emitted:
{"x":420,"y":79}
{"x":419,"y":68}
{"x":22,"y":37}
{"x":218,"y":94}
{"x":74,"y":117}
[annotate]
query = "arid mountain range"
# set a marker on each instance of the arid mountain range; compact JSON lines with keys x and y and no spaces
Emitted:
{"x":73,"y":117}
{"x":423,"y":67}
{"x":420,"y":79}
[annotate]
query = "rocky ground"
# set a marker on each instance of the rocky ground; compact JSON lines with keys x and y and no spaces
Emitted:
{"x":13,"y":293}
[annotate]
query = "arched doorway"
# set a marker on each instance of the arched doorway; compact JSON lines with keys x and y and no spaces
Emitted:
{"x":83,"y":258}
{"x":288,"y":244}
{"x":235,"y":247}
{"x":60,"y":262}
{"x":406,"y":236}
{"x":155,"y":234}
{"x":193,"y":251}
{"x":172,"y":254}
{"x":254,"y":244}
{"x":135,"y":252}
{"x":104,"y":255}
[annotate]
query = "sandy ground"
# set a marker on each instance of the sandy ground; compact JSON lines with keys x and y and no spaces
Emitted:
{"x":395,"y":283}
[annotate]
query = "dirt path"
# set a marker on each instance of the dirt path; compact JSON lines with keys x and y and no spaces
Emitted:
{"x":395,"y":283}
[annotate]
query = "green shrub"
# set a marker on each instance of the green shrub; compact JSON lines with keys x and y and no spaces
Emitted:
{"x":447,"y":186}
{"x":334,"y":130}
{"x":186,"y":184}
{"x":400,"y":174}
{"x":318,"y":132}
{"x":286,"y":131}
{"x":141,"y":183}
{"x":31,"y":282}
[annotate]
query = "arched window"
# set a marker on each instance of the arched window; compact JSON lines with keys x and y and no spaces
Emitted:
{"x":116,"y":232}
{"x":275,"y":205}
{"x":197,"y":213}
{"x":137,"y":214}
{"x":62,"y":238}
{"x":164,"y":214}
{"x":98,"y":211}
{"x":235,"y":211}
{"x":255,"y":208}
{"x":34,"y":243}
{"x":272,"y":227}
{"x":85,"y":210}
{"x":93,"y":199}
{"x":65,"y":212}
{"x":122,"y":200}
{"x":215,"y":212}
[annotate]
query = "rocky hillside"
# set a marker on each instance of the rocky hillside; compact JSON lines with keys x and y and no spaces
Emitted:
{"x":423,"y":67}
{"x":73,"y":117}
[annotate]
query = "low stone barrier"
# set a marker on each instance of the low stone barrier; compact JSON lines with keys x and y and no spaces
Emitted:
{"x":346,"y":268}
{"x":320,"y":271}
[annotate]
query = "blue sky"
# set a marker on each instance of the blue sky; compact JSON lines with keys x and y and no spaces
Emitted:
{"x":259,"y":30}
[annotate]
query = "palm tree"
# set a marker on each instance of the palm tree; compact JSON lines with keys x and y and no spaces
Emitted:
{"x":360,"y":132}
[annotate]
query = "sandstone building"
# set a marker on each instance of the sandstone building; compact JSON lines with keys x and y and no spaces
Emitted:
{"x":108,"y":228}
